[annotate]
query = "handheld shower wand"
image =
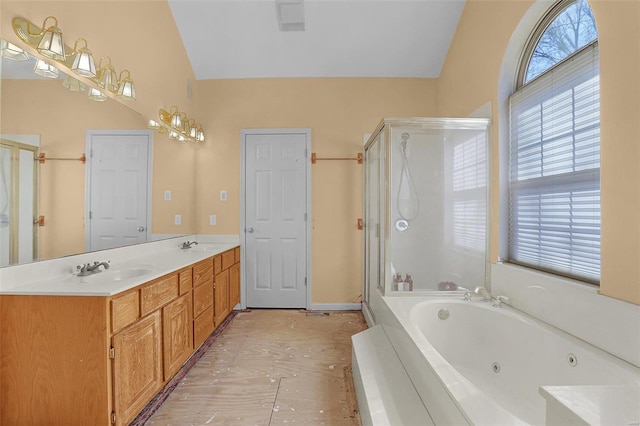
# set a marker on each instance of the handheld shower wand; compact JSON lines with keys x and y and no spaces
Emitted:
{"x":407,"y":191}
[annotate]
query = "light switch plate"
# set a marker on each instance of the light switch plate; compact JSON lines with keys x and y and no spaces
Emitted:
{"x":178,"y":220}
{"x":167,"y":195}
{"x":212,"y":219}
{"x":223,"y":195}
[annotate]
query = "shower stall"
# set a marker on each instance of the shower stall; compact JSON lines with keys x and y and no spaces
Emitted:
{"x":426,"y":200}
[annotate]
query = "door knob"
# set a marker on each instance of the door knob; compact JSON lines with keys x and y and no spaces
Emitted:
{"x":140,"y":228}
{"x":250,"y":230}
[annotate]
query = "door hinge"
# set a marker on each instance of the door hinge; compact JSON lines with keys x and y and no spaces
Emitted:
{"x":305,"y":281}
{"x":305,"y":217}
{"x":91,"y":153}
{"x":112,"y":353}
{"x":113,"y":417}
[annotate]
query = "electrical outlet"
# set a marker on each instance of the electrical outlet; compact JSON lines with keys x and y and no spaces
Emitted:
{"x":212,"y":219}
{"x":167,"y":195}
{"x":223,"y":195}
{"x":178,"y":220}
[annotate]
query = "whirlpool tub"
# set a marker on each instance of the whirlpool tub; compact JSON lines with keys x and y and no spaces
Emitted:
{"x":471,"y":362}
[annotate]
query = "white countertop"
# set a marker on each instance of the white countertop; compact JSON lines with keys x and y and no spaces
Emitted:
{"x":58,"y":280}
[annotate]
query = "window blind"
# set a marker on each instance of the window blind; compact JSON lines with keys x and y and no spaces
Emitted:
{"x":554,"y":176}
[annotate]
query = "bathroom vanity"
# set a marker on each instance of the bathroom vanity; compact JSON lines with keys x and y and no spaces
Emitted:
{"x":99,"y":354}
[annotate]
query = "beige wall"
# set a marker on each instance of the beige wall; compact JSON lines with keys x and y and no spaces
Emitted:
{"x":338,"y":112}
{"x":472,"y":75}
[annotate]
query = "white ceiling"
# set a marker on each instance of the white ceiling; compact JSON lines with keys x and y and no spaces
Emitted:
{"x":342,"y":38}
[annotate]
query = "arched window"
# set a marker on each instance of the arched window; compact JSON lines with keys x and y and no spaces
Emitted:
{"x":554,"y":175}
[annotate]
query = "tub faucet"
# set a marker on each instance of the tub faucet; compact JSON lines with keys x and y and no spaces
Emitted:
{"x":188,"y":245}
{"x":483,"y":292}
{"x":499,"y":300}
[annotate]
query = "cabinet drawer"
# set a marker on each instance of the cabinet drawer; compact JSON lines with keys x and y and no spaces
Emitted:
{"x":236,"y":253}
{"x":203,"y":272}
{"x":186,"y":281}
{"x":217,"y":264}
{"x":202,"y":298}
{"x":202,"y":327}
{"x":159,"y":293}
{"x":125,"y":310}
{"x":228,"y":259}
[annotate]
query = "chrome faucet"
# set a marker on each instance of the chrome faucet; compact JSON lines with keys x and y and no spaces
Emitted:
{"x":89,"y":269}
{"x":499,"y":300}
{"x":483,"y":292}
{"x":188,"y":245}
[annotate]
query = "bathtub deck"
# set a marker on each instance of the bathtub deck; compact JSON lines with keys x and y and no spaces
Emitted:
{"x":386,"y":395}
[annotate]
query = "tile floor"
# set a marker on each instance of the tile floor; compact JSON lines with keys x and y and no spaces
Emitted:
{"x":271,"y":367}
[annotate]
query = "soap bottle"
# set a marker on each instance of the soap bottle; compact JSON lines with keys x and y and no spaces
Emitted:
{"x":408,"y":283}
{"x":398,"y":284}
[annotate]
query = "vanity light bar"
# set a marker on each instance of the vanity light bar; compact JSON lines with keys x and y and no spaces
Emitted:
{"x":179,"y":126}
{"x":48,"y":42}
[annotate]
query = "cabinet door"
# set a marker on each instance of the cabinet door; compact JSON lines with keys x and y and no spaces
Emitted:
{"x":221,"y":297}
{"x":177,"y":333}
{"x":234,"y":285}
{"x":137,"y":367}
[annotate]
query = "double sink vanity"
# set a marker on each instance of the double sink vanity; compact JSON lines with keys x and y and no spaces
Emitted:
{"x":95,"y":349}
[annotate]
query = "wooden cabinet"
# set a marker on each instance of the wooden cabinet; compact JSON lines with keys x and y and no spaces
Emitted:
{"x":158,"y":293}
{"x":202,"y":301}
{"x":221,"y":297}
{"x":137,"y":367}
{"x":125,"y":309}
{"x":234,"y":285}
{"x":185,"y":278}
{"x":177,"y":334}
{"x":226,"y":283}
{"x":99,"y":360}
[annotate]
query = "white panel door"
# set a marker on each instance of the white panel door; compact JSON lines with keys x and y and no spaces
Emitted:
{"x":118,"y":190}
{"x":275,"y":220}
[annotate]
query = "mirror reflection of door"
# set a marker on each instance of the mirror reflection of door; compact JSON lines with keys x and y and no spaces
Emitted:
{"x":118,"y":188}
{"x":18,"y":199}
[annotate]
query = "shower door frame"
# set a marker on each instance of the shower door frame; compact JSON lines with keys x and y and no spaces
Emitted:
{"x":14,"y":198}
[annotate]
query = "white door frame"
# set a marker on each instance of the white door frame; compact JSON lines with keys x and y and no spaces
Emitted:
{"x":87,"y":177}
{"x":243,"y":187}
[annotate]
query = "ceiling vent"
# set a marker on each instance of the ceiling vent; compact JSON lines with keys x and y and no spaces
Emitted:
{"x":290,"y":15}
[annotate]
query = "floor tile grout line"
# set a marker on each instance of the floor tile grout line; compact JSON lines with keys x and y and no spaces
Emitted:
{"x":275,"y":400}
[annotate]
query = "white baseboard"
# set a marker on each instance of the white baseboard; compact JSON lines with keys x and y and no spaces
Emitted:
{"x":336,"y":307}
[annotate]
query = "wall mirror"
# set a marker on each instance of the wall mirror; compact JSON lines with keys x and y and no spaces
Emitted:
{"x":44,"y":115}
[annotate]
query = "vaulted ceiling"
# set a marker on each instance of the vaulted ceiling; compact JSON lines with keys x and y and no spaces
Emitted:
{"x":341,"y":38}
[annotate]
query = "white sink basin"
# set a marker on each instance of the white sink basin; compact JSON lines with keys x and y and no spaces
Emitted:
{"x":120,"y":274}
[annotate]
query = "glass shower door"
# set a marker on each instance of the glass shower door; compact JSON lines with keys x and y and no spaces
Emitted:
{"x":18,"y":203}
